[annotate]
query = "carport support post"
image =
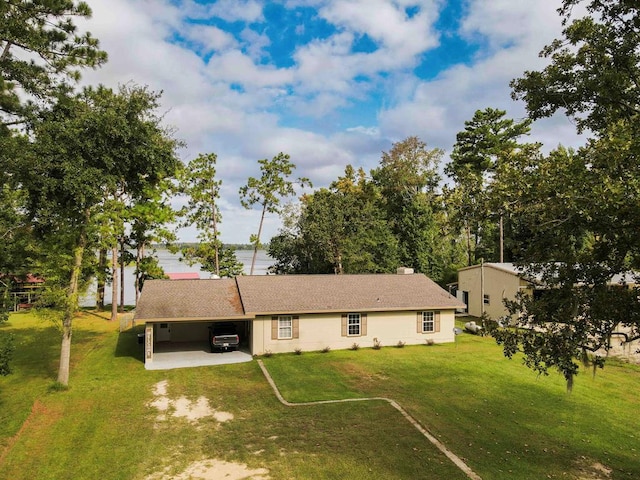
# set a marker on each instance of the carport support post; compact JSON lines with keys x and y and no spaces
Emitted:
{"x":148,"y":343}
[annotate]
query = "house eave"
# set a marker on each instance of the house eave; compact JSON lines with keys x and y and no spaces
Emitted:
{"x":358,"y":309}
{"x":229,"y":318}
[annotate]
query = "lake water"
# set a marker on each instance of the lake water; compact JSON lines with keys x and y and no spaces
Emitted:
{"x":171,"y":264}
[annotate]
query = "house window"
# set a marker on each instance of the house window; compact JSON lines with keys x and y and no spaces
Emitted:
{"x":285,"y":327}
{"x":486,"y":299}
{"x":353,"y":324}
{"x":428,"y":322}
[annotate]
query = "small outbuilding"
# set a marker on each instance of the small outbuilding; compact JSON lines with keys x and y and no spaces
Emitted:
{"x":483,"y":288}
{"x":285,"y":313}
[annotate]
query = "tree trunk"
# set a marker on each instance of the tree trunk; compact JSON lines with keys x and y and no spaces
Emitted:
{"x":71,"y":309}
{"x":122,"y":276}
{"x":468,"y":246}
{"x":114,"y":283}
{"x":501,"y":240}
{"x":216,"y":245}
{"x":5,"y":50}
{"x":102,"y":267}
{"x":139,"y":256}
{"x":476,"y":243}
{"x":338,"y":268}
{"x":257,"y":243}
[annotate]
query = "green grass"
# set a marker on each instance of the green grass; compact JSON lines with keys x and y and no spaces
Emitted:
{"x":500,"y":417}
{"x":505,"y":421}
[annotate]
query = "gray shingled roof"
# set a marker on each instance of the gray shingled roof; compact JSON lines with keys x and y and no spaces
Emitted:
{"x":247,"y":296}
{"x":339,"y":293}
{"x":189,"y":299}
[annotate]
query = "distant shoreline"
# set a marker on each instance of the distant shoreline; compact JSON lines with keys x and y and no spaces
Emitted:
{"x":232,"y":246}
{"x":172,"y":263}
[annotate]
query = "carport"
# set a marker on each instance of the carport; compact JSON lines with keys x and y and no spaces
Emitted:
{"x":177,"y":316}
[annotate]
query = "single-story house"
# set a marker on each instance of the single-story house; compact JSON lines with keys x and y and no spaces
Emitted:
{"x":283,"y":313}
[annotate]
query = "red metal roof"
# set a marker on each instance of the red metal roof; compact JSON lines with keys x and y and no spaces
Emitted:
{"x":183,"y":276}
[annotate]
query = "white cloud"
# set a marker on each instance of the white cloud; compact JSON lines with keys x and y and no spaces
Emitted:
{"x":133,"y":19}
{"x":387,"y":23}
{"x":255,"y":43}
{"x":318,"y":106}
{"x":237,"y":10}
{"x":505,"y":22}
{"x":209,"y":38}
{"x":236,"y":67}
{"x":134,"y":34}
{"x":331,"y":65}
{"x":369,"y":131}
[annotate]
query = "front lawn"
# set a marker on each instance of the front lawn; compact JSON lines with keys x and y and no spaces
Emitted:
{"x":503,"y":420}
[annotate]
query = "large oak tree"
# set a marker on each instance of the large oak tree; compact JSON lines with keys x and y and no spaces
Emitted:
{"x":583,"y":207}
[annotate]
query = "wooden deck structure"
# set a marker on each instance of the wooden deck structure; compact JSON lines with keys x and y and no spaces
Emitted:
{"x":23,"y":291}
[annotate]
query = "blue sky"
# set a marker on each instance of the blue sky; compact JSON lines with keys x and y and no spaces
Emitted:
{"x":331,"y":82}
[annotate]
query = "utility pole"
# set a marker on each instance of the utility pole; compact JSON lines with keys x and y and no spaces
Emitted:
{"x":501,"y":240}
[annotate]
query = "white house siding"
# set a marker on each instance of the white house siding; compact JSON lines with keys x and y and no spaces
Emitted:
{"x":318,"y":331}
{"x":498,"y":284}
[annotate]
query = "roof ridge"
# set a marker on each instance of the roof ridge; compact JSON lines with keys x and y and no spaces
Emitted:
{"x":244,"y":310}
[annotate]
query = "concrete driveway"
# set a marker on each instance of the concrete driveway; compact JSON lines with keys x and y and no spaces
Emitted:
{"x":167,"y":357}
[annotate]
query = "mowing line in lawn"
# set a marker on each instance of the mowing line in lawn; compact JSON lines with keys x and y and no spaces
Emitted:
{"x":37,"y":407}
{"x":438,"y":444}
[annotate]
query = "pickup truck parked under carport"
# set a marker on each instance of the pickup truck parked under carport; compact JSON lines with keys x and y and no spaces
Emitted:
{"x":223,"y":337}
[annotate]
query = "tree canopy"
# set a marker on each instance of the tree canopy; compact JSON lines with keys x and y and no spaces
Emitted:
{"x":486,"y":143}
{"x":90,"y":154}
{"x":40,"y":51}
{"x":268,"y":190}
{"x":41,"y":55}
{"x":198,"y":182}
{"x":594,"y":70}
{"x":373,"y":223}
{"x":581,"y":207}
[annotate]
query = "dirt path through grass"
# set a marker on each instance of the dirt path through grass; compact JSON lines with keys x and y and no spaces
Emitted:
{"x":439,"y":445}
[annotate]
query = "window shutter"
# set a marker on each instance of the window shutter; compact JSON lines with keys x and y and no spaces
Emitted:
{"x":436,"y":321}
{"x":363,"y":324}
{"x":295,"y":321}
{"x":274,"y":328}
{"x":344,"y":324}
{"x":419,"y":323}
